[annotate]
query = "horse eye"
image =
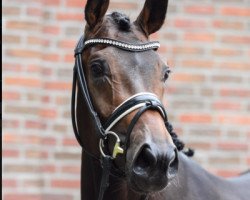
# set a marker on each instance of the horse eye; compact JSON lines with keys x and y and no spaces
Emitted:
{"x":166,"y":74}
{"x":97,"y":69}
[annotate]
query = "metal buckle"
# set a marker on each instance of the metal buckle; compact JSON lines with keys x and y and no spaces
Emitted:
{"x":117,"y":148}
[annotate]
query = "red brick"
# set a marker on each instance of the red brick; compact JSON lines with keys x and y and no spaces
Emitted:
{"x":21,"y":168}
{"x":36,"y":154}
{"x":46,"y":99}
{"x":235,"y":92}
{"x":51,"y":3}
{"x":53,"y":30}
{"x":31,"y":96}
{"x":179,"y":90}
{"x":22,"y":25}
{"x":200,"y":145}
{"x":235,"y":119}
{"x":24,"y":53}
{"x":224,"y":160}
{"x":30,"y":124}
{"x":12,"y":67}
{"x":15,"y":39}
{"x":52,"y":57}
{"x":69,"y":58}
{"x":9,"y":183}
{"x":22,"y":196}
{"x":61,"y":100}
{"x":207,"y":92}
{"x":48,"y":168}
{"x":183,"y":77}
{"x":232,"y":146}
{"x":48,"y":113}
{"x":70,"y":44}
{"x":227,"y":173}
{"x":200,"y":9}
{"x":237,"y":39}
{"x":57,"y":197}
{"x":20,"y":139}
{"x":235,"y":65}
{"x":196,"y":63}
{"x":37,"y":12}
{"x":71,"y":169}
{"x":48,"y":141}
{"x":37,"y":196}
{"x":76,"y":3}
{"x":9,"y":96}
{"x":70,"y":142}
{"x":70,"y":16}
{"x":9,"y":153}
{"x":195,"y":118}
{"x":223,"y":24}
{"x":226,"y":52}
{"x":248,"y":161}
{"x":222,"y":105}
{"x":10,"y":123}
{"x":227,"y":79}
{"x":124,"y":6}
{"x":236,"y":11}
{"x":11,"y":10}
{"x":46,"y":71}
{"x":187,"y":50}
{"x":21,"y":110}
{"x":169,"y":36}
{"x":58,"y":85}
{"x":190,"y":23}
{"x":34,"y":40}
{"x":60,"y":128}
{"x":34,"y":68}
{"x":67,"y":156}
{"x":33,"y":183}
{"x":24,"y":82}
{"x":63,"y":183}
{"x":200,"y":37}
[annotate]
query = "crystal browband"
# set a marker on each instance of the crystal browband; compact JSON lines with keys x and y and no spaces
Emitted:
{"x":123,"y":45}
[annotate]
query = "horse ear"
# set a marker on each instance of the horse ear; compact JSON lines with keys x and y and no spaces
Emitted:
{"x":95,"y":10}
{"x":152,"y":16}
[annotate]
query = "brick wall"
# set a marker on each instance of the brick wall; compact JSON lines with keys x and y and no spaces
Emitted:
{"x":207,"y":45}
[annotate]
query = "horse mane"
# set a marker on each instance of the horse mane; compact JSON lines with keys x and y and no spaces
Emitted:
{"x":122,"y":21}
{"x":178,"y":143}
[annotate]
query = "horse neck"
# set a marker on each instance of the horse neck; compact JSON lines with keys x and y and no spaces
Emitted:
{"x":90,"y":183}
{"x":193,"y":182}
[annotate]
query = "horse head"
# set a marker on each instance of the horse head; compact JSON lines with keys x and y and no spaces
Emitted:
{"x":113,"y":76}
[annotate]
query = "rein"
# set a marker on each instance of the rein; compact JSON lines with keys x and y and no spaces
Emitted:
{"x":141,"y":102}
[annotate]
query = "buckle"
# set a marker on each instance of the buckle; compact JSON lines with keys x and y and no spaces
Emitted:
{"x":117,"y":148}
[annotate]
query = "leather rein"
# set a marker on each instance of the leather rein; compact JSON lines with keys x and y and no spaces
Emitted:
{"x":141,"y":102}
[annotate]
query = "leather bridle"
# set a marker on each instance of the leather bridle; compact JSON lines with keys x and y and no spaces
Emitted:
{"x":140,"y":102}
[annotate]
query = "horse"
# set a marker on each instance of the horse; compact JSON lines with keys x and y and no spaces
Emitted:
{"x":129,"y":148}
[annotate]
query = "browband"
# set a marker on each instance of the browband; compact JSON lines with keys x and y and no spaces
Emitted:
{"x":119,"y":44}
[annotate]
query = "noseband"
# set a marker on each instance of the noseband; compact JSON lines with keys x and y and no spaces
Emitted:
{"x":141,"y":102}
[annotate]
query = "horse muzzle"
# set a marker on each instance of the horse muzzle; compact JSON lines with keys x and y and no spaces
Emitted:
{"x":153,"y":168}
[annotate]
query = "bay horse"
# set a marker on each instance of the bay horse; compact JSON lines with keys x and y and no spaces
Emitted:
{"x":129,"y":149}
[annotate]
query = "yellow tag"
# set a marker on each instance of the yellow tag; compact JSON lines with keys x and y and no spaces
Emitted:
{"x":117,"y":150}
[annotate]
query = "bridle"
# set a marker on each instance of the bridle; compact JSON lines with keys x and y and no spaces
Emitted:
{"x":140,"y":102}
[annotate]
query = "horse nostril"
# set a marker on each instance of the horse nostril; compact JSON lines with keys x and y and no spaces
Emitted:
{"x":144,"y":161}
{"x":173,"y":163}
